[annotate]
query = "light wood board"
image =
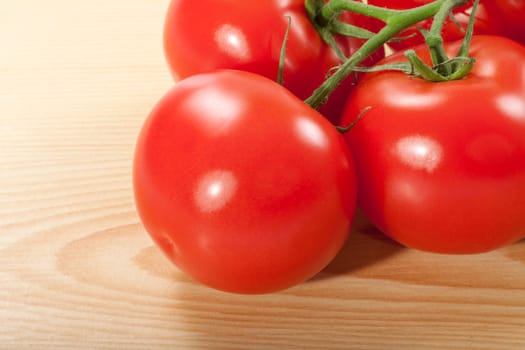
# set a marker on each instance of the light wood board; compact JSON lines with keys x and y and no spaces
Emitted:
{"x":78,"y":271}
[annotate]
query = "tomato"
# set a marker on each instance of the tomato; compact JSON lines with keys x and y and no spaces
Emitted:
{"x":201,"y":36}
{"x":509,"y":16}
{"x":485,"y":21}
{"x":441,"y":166}
{"x":241,"y":184}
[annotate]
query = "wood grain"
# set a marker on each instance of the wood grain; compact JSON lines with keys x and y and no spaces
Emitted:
{"x":77,"y":269}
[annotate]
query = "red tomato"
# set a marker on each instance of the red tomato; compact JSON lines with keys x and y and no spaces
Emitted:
{"x":441,"y":166}
{"x":484,"y":24}
{"x":509,"y":16}
{"x":248,"y":36}
{"x":241,"y":184}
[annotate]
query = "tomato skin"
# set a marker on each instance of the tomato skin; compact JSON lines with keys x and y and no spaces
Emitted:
{"x":441,"y":166}
{"x":509,"y":17}
{"x":233,"y":34}
{"x":489,"y":19}
{"x":241,"y":184}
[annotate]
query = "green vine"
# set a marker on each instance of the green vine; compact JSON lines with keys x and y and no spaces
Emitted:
{"x":325,"y":18}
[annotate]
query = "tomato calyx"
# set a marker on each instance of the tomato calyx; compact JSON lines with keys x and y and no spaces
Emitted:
{"x":325,"y":18}
{"x":282,"y":54}
{"x":444,"y":68}
{"x":348,"y":127}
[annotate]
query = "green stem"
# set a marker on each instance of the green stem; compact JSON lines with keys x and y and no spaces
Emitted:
{"x":464,"y":49}
{"x":444,"y":68}
{"x":346,"y":29}
{"x":395,"y":20}
{"x":434,"y":39}
{"x":334,"y":7}
{"x":282,"y":55}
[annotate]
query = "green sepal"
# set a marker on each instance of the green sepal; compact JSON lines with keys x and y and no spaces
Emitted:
{"x":345,"y":129}
{"x":350,"y":30}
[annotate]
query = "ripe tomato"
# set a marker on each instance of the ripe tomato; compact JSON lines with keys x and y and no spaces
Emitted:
{"x":248,"y":36}
{"x":487,"y":21}
{"x":441,"y":166}
{"x":509,"y":17}
{"x":241,"y":184}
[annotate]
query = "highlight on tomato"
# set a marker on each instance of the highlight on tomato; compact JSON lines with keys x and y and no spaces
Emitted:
{"x":441,"y":166}
{"x":241,"y":184}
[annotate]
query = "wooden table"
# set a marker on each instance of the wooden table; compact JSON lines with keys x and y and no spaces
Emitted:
{"x":78,"y":271}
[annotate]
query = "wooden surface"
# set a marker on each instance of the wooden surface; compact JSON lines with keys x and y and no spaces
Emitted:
{"x":78,"y":271}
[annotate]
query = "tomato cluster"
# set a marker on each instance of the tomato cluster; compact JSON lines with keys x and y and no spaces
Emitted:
{"x":248,"y":189}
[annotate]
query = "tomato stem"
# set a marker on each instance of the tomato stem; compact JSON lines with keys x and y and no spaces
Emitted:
{"x":347,"y":128}
{"x":434,"y":40}
{"x":335,"y":7}
{"x":282,"y":54}
{"x":443,"y":68}
{"x":322,"y":14}
{"x":465,"y":47}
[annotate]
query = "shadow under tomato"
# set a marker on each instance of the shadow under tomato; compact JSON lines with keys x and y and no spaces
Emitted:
{"x":211,"y":319}
{"x":366,"y":246}
{"x":516,"y":251}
